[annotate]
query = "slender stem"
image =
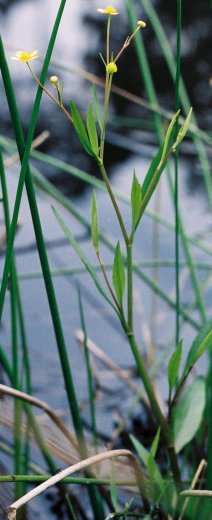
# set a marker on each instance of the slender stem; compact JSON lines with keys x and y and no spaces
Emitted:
{"x":91,"y":384}
{"x":176,"y":163}
{"x":108,"y":40}
{"x":155,"y":406}
{"x":58,"y":101}
{"x":23,"y":150}
{"x":130,"y":286}
{"x":108,"y":83}
{"x":102,"y":266}
{"x":113,"y":199}
{"x":19,"y":488}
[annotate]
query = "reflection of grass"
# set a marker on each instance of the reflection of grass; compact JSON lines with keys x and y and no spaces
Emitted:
{"x":156,"y":489}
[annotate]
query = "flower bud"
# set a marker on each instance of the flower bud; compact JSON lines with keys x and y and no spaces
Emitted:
{"x":141,"y":24}
{"x":111,"y":67}
{"x":54,"y":80}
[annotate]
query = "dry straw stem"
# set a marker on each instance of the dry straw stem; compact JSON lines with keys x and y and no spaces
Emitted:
{"x":12,"y":509}
{"x":200,"y":469}
{"x":44,"y":406}
{"x":40,"y":139}
{"x":107,"y":361}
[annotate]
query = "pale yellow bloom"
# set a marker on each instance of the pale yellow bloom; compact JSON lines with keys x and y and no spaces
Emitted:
{"x":54,"y":80}
{"x":25,"y":56}
{"x":111,"y":67}
{"x":141,"y":24}
{"x":109,"y":10}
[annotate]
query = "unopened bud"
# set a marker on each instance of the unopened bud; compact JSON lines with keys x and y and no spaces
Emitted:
{"x":54,"y":80}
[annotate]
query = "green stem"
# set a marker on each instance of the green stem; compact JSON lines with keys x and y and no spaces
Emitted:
{"x":19,"y":489}
{"x":130,"y":286}
{"x":155,"y":406}
{"x":113,"y":200}
{"x":58,"y":101}
{"x":24,"y":150}
{"x":40,"y":239}
{"x":91,"y":388}
{"x":108,"y":83}
{"x":176,"y":162}
{"x":147,"y":77}
{"x":102,"y":267}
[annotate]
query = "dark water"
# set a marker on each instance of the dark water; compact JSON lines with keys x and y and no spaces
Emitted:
{"x":27,"y":24}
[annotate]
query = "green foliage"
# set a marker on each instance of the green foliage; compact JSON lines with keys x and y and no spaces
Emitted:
{"x":187,"y":414}
{"x":80,"y":129}
{"x":113,"y":490}
{"x":92,"y":132}
{"x":184,"y":128}
{"x":148,"y":459}
{"x":94,"y":223}
{"x":136,"y":201}
{"x":168,"y":136}
{"x":119,"y":274}
{"x":202,"y":342}
{"x":174,"y":365}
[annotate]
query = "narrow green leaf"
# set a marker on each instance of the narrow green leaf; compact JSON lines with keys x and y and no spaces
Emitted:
{"x":94,"y":223}
{"x":97,"y":108}
{"x":155,"y":444}
{"x":148,"y":458}
{"x":141,"y":451}
{"x":157,"y":166}
{"x":152,"y":178}
{"x":152,"y":465}
{"x":169,"y":135}
{"x":118,"y":274}
{"x":174,"y":365}
{"x":92,"y":133}
{"x":188,"y":413}
{"x":136,"y":200}
{"x":202,"y":342}
{"x":113,"y":490}
{"x":184,"y":128}
{"x":82,"y":256}
{"x":80,"y":129}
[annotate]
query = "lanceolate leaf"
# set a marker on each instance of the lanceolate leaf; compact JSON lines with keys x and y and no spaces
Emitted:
{"x":94,"y":223}
{"x":82,"y":256}
{"x":188,"y":413}
{"x":136,"y":200}
{"x":157,"y":166}
{"x":80,"y":129}
{"x":148,"y":458}
{"x":92,"y":133}
{"x":184,"y":128}
{"x":155,"y":444}
{"x":152,"y":466}
{"x":202,"y":342}
{"x":118,"y":274}
{"x":169,"y":135}
{"x":174,"y":365}
{"x":152,"y":178}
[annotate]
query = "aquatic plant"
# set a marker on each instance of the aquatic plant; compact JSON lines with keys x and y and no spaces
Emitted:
{"x":178,"y":423}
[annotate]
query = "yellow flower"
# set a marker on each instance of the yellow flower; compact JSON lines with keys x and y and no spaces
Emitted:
{"x":111,"y":67}
{"x":54,"y":80}
{"x":141,"y":24}
{"x":25,"y":56}
{"x":108,"y":10}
